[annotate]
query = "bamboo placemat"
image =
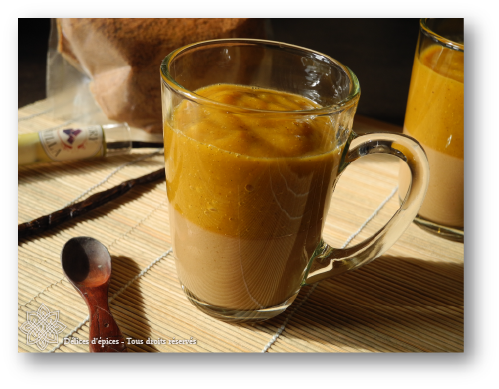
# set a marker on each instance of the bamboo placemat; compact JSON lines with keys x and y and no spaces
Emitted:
{"x":408,"y":300}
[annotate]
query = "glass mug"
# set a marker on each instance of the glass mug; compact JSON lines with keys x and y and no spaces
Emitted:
{"x":435,"y":117}
{"x":256,"y":134}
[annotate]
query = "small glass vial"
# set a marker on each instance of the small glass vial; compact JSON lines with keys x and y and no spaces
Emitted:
{"x":69,"y":144}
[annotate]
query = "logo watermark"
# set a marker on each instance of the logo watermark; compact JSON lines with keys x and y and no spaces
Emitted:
{"x":42,"y":327}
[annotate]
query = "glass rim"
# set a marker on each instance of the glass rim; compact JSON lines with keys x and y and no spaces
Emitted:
{"x":438,"y":38}
{"x":347,"y":102}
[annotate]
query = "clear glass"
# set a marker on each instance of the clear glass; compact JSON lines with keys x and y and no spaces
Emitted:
{"x":118,"y":139}
{"x":256,"y":134}
{"x":435,"y":117}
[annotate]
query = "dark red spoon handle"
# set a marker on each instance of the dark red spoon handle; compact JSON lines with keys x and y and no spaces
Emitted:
{"x":105,"y":336}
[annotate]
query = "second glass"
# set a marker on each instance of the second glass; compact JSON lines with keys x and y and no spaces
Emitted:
{"x":435,"y":117}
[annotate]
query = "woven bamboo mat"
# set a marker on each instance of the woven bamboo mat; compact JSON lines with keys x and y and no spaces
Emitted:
{"x":408,"y":300}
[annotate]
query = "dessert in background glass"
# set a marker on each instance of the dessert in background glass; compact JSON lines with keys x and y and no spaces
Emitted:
{"x":435,"y":117}
{"x":256,"y":134}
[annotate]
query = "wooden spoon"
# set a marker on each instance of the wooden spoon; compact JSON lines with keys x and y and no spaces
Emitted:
{"x":87,"y":265}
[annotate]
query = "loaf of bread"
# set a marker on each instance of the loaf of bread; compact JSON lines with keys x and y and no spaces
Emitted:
{"x":122,"y":57}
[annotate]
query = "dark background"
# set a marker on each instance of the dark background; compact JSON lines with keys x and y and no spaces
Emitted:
{"x":379,"y":51}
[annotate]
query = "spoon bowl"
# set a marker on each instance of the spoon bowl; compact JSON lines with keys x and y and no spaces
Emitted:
{"x":86,"y":261}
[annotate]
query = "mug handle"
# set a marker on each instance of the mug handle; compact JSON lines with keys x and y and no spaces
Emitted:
{"x":327,"y":261}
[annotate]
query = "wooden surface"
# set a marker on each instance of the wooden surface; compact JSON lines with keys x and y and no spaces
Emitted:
{"x":408,"y":300}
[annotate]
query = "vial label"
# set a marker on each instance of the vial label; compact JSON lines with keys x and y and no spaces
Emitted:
{"x":72,"y":143}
